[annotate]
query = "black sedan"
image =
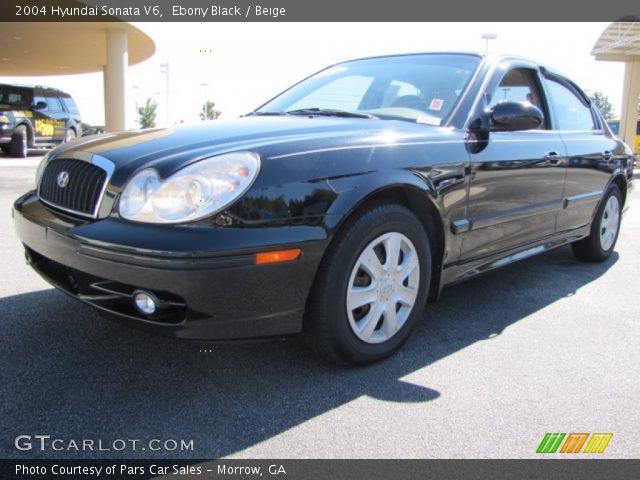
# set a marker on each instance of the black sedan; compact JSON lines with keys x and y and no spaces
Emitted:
{"x":337,"y":209}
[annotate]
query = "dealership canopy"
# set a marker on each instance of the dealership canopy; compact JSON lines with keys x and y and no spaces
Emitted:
{"x":620,"y":42}
{"x":60,"y":48}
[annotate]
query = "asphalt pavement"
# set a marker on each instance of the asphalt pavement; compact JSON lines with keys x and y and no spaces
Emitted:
{"x":549,"y":344}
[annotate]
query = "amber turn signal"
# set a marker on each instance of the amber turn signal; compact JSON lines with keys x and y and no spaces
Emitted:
{"x":277,"y":256}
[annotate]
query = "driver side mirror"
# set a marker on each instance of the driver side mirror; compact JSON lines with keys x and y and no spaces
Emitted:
{"x":509,"y":116}
{"x":40,"y":105}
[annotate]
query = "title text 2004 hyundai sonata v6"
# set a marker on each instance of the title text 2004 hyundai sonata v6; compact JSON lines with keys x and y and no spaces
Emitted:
{"x":336,"y":209}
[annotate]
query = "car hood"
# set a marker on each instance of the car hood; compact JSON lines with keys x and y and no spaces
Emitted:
{"x":168,"y":149}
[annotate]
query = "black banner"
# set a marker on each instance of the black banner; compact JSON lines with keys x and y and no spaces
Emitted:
{"x":321,"y":469}
{"x":312,"y":10}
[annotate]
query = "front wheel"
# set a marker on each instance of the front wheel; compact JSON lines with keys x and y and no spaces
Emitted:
{"x":18,"y":146}
{"x":371,"y":288}
{"x":599,"y":245}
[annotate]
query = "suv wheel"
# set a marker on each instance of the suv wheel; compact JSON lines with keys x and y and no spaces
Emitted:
{"x":18,"y":147}
{"x":70,"y":136}
{"x":599,"y":245}
{"x":371,"y":288}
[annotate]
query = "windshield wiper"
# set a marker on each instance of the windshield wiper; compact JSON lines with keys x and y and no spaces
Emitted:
{"x":329,"y":112}
{"x":257,"y":113}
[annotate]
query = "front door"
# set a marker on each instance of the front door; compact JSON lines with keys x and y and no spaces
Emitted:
{"x":516,"y":179}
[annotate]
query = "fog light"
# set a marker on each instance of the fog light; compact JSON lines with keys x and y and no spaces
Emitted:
{"x":145,"y":302}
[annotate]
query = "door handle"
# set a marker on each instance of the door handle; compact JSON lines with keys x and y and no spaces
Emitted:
{"x":607,"y":156}
{"x":552,"y":158}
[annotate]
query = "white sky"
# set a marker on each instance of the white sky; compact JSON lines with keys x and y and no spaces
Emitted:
{"x":246,"y":64}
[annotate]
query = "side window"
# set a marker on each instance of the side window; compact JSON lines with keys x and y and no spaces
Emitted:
{"x":37,"y":99}
{"x":344,"y":93}
{"x":518,"y":85}
{"x":70,"y":104}
{"x":53,"y":104}
{"x":13,"y":98}
{"x":572,"y":111}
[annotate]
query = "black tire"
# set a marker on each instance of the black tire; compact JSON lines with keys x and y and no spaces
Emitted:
{"x":327,"y":322}
{"x":590,"y":249}
{"x":6,"y":149}
{"x":18,"y":146}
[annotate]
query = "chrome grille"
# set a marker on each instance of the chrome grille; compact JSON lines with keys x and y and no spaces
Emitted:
{"x":82,"y":190}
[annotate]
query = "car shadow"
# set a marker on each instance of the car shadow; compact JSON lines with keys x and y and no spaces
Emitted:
{"x":32,"y":152}
{"x":68,"y":373}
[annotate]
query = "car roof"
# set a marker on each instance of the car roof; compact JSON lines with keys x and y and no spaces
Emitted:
{"x":409,"y":54}
{"x":492,"y":57}
{"x":32,"y":87}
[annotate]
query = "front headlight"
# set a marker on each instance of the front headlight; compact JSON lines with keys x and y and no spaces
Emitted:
{"x":40,"y":170}
{"x":196,"y":191}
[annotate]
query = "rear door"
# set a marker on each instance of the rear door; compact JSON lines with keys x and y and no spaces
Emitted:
{"x":593,"y":154}
{"x":72,"y":109}
{"x":42,"y":122}
{"x":59,"y":117}
{"x":517,"y":178}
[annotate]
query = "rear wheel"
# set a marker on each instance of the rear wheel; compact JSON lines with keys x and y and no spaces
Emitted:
{"x":18,"y":146}
{"x":599,"y":245}
{"x":372,"y":286}
{"x":6,"y":149}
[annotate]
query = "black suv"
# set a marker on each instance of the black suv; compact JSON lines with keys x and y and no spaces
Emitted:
{"x":32,"y":117}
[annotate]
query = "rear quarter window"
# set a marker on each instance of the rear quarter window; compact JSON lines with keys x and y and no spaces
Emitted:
{"x":70,"y":105}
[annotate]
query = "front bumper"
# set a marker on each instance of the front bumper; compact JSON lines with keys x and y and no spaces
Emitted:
{"x":206,"y":277}
{"x":6,"y":131}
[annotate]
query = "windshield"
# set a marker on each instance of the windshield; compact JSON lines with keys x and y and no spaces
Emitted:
{"x":17,"y":97}
{"x":421,"y":88}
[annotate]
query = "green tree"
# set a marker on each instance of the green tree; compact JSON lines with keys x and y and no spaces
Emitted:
{"x":208,"y":111}
{"x":147,"y":113}
{"x":601,"y":101}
